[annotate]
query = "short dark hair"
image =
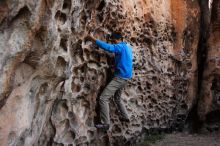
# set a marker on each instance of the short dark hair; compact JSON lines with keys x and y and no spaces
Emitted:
{"x":116,"y":35}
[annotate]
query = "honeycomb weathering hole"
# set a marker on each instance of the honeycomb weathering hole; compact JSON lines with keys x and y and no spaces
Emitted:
{"x":63,"y":43}
{"x":61,"y":17}
{"x":67,"y":4}
{"x":71,"y":115}
{"x":101,"y":5}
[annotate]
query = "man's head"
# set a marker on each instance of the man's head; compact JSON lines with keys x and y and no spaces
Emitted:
{"x":116,"y":37}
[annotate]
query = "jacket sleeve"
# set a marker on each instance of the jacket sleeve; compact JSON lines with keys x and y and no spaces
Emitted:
{"x":113,"y":48}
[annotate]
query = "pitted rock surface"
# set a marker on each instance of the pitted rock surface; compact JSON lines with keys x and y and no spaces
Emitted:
{"x":51,"y":77}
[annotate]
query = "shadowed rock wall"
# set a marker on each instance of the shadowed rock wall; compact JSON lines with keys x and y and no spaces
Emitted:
{"x":209,"y":103}
{"x":50,"y":76}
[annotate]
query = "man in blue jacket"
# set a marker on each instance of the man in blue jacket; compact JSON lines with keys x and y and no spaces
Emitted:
{"x":122,"y":73}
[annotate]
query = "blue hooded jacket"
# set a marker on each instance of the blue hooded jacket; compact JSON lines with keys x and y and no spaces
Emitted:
{"x":123,"y":57}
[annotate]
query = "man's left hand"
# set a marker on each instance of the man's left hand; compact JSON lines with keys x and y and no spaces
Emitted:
{"x":90,"y":37}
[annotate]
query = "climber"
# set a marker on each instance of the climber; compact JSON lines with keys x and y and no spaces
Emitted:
{"x":122,"y":74}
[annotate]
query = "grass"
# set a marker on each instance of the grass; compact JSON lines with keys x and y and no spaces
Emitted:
{"x":150,"y":139}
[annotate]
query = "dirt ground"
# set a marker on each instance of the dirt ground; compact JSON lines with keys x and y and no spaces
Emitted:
{"x":184,"y":139}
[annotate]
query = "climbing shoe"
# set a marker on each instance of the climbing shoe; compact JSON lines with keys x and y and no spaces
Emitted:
{"x":102,"y":126}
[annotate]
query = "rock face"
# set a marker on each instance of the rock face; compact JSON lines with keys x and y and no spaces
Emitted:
{"x":50,"y":77}
{"x":209,"y":104}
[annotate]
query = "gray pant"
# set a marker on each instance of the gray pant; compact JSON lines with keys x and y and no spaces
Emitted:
{"x":113,"y":88}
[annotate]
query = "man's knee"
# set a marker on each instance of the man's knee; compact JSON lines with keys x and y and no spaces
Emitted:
{"x":104,"y":97}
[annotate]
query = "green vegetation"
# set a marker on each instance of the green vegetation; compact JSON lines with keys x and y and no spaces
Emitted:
{"x":149,"y":139}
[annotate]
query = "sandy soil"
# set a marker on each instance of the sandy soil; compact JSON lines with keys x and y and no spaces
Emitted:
{"x":183,"y":139}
